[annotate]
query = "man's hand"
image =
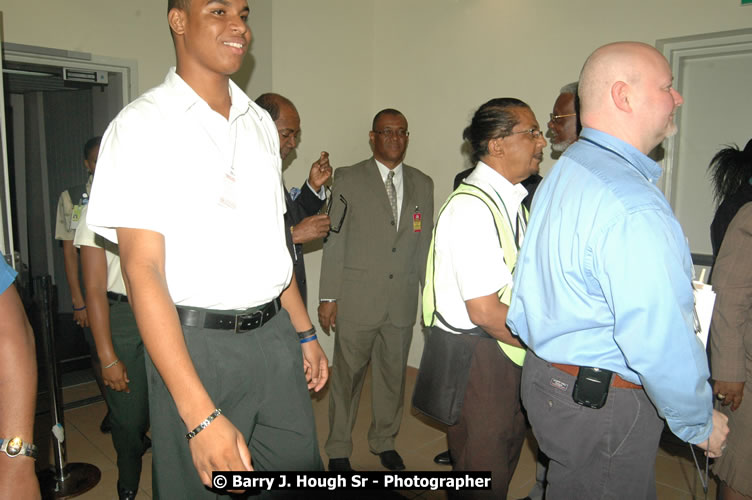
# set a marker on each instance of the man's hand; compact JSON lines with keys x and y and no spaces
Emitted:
{"x":220,"y":446}
{"x":320,"y":172}
{"x":328,"y":315}
{"x":316,"y":365}
{"x":116,"y":377}
{"x":81,"y":317}
{"x":715,"y":444}
{"x":311,"y":228}
{"x":729,"y":393}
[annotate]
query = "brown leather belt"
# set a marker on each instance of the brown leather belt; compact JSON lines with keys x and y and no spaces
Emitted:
{"x":616,"y":380}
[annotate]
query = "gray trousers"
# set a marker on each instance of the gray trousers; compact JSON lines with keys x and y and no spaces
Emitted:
{"x":386,"y":347}
{"x":257,"y":379}
{"x":607,"y":453}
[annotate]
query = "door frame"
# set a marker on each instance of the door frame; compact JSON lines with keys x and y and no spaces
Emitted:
{"x":127,"y":68}
{"x":680,"y":50}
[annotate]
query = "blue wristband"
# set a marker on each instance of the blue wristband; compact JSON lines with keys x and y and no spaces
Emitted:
{"x":308,"y":339}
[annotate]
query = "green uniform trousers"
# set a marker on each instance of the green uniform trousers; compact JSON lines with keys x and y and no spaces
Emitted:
{"x":129,"y":411}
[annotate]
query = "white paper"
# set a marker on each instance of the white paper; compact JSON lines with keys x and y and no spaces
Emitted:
{"x":704,"y":301}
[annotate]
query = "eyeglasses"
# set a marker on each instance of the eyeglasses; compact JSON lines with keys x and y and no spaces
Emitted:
{"x":335,"y":228}
{"x":556,"y":118}
{"x":387,"y":132}
{"x":535,"y":133}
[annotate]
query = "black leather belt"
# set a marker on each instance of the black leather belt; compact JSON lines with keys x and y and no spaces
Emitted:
{"x":239,"y":323}
{"x":116,"y":297}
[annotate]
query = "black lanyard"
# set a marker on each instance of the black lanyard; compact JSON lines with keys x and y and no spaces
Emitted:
{"x":516,"y":228}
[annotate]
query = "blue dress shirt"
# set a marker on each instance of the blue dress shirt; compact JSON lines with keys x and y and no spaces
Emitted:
{"x":604,"y":279}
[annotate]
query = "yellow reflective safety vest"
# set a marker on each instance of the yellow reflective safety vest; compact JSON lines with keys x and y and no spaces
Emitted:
{"x":508,"y":245}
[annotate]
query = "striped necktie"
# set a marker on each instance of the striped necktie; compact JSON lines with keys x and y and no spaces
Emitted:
{"x":392,"y":194}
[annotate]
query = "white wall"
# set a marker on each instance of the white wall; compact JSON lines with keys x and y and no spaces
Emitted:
{"x":132,"y":29}
{"x":438,"y":60}
{"x":340,"y":61}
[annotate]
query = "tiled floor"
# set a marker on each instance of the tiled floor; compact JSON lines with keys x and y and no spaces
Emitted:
{"x":418,"y":442}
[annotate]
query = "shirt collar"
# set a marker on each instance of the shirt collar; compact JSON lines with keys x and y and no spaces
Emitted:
{"x":384,"y":170}
{"x":634,"y":157}
{"x":512,"y":194}
{"x":184,"y":97}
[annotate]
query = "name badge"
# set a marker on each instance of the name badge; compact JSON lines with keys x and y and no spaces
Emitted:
{"x":417,"y":221}
{"x":227,"y":199}
{"x":76,"y":216}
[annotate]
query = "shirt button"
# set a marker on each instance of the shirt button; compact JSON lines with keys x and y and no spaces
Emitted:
{"x":394,"y":250}
{"x":392,"y":223}
{"x":391,"y":276}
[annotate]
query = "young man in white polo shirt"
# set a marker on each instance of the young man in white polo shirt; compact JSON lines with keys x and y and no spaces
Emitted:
{"x":205,"y":233}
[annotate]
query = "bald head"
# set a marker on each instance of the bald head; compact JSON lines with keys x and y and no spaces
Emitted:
{"x":285,"y":117}
{"x":626,"y":90}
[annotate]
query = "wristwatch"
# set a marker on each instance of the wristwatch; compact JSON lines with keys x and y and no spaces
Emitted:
{"x":16,"y":447}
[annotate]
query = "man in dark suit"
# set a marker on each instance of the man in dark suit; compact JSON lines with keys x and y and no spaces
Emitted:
{"x":370,"y":276}
{"x":302,"y":219}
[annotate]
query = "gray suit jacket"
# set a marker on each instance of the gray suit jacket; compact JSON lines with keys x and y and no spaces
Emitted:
{"x":372,"y":270}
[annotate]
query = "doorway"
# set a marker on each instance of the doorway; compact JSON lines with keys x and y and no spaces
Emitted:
{"x":54,"y":101}
{"x":712,"y":72}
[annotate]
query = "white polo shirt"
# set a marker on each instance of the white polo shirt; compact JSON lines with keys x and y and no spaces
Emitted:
{"x":85,"y":237}
{"x":469,"y":261}
{"x":212,"y":187}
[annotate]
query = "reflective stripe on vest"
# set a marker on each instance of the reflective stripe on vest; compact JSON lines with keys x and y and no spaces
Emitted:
{"x":509,"y":247}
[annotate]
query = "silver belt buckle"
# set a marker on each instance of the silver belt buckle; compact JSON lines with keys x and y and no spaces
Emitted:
{"x":238,"y":319}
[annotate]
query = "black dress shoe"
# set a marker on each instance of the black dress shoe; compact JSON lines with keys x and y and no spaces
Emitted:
{"x":391,"y":460}
{"x":125,"y":494}
{"x":340,"y":465}
{"x":106,"y":426}
{"x":443,"y":458}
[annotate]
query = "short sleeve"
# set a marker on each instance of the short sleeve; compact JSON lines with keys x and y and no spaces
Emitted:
{"x":476,"y":254}
{"x":128,"y":181}
{"x":7,"y":275}
{"x":85,"y":237}
{"x":63,"y":216}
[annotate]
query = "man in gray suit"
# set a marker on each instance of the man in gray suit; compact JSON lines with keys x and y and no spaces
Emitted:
{"x":370,"y":273}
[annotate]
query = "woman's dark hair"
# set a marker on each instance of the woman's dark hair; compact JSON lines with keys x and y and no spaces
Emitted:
{"x":730,"y":170}
{"x":493,"y":119}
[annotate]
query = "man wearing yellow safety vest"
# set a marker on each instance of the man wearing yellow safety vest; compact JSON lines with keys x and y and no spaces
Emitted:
{"x":470,"y":372}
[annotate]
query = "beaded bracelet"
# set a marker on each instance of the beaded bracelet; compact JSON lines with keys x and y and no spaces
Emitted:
{"x":203,"y":425}
{"x":308,"y":339}
{"x":307,"y":333}
{"x":80,"y":308}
